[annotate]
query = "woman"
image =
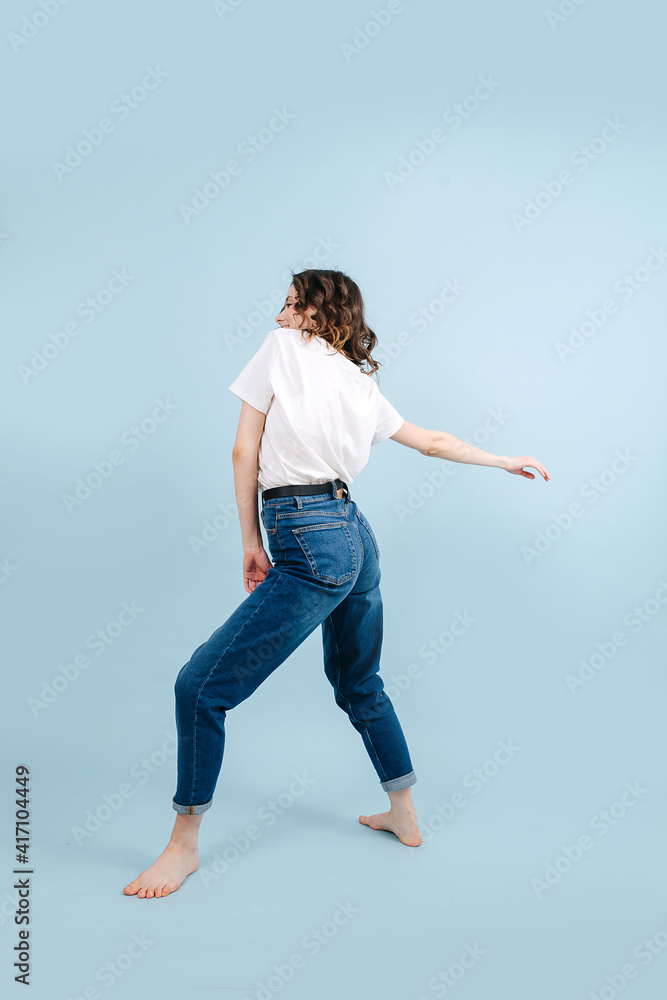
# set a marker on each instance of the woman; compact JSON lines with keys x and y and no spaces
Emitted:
{"x":309,"y":417}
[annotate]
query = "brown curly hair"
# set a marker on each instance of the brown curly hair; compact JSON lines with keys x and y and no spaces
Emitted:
{"x":339,"y":314}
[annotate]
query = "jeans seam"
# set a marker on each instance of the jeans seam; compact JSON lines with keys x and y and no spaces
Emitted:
{"x":361,"y":544}
{"x":349,"y":710}
{"x":369,"y":533}
{"x":319,"y":527}
{"x":205,"y":682}
{"x":299,"y":513}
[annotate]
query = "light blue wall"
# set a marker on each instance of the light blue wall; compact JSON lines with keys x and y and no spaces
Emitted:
{"x":550,"y":595}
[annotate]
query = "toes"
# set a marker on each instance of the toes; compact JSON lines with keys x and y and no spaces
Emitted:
{"x":144,"y":892}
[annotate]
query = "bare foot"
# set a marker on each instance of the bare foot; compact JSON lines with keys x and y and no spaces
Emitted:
{"x":165,"y":875}
{"x":401,"y":822}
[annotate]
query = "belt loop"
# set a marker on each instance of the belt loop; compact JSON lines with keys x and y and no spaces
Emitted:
{"x":299,"y":501}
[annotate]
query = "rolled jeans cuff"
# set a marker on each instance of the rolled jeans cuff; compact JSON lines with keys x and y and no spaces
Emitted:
{"x":191,"y":810}
{"x":395,"y":784}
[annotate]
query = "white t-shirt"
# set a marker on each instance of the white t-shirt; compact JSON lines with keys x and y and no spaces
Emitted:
{"x":323,"y":413}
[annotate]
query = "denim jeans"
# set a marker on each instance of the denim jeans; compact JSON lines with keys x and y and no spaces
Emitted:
{"x":325,"y":571}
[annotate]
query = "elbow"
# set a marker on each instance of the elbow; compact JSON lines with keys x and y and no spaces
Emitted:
{"x":433,"y":447}
{"x":242,"y":453}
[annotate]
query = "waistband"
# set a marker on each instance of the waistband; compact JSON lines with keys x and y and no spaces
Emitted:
{"x":306,"y":489}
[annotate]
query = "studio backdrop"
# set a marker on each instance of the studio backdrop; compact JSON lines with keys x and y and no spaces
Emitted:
{"x":492,"y":177}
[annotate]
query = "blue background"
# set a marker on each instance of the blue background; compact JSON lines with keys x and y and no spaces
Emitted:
{"x":543,"y":590}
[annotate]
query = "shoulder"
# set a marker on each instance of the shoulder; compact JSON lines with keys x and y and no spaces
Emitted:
{"x":282,"y":339}
{"x":271,"y":338}
{"x":272,"y":346}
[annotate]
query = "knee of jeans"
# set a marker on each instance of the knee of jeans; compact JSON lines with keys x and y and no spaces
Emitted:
{"x":183,"y":687}
{"x":368,"y":702}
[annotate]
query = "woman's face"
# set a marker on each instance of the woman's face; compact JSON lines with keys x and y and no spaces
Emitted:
{"x":288,"y":318}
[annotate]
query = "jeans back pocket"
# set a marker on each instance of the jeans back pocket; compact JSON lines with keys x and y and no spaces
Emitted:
{"x":330,"y":551}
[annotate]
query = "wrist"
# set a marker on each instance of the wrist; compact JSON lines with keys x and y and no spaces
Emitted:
{"x":253,"y":546}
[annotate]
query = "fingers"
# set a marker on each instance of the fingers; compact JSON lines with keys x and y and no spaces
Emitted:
{"x":533,"y":464}
{"x":542,"y":471}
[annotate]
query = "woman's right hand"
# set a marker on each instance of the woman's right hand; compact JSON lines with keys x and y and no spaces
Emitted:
{"x":256,"y":564}
{"x":516,"y":467}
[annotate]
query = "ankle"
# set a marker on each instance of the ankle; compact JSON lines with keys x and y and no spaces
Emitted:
{"x":185,"y":832}
{"x":182,"y":843}
{"x":403,"y":810}
{"x":401,"y":801}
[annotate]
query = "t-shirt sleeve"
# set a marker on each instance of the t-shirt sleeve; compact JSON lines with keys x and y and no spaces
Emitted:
{"x":253,"y":383}
{"x":388,"y":421}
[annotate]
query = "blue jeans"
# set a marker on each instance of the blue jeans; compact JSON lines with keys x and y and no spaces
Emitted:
{"x":326,"y":571}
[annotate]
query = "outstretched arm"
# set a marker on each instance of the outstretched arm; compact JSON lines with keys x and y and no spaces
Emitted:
{"x":440,"y":444}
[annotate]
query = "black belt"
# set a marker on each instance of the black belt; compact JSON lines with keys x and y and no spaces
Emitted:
{"x":303,"y":489}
